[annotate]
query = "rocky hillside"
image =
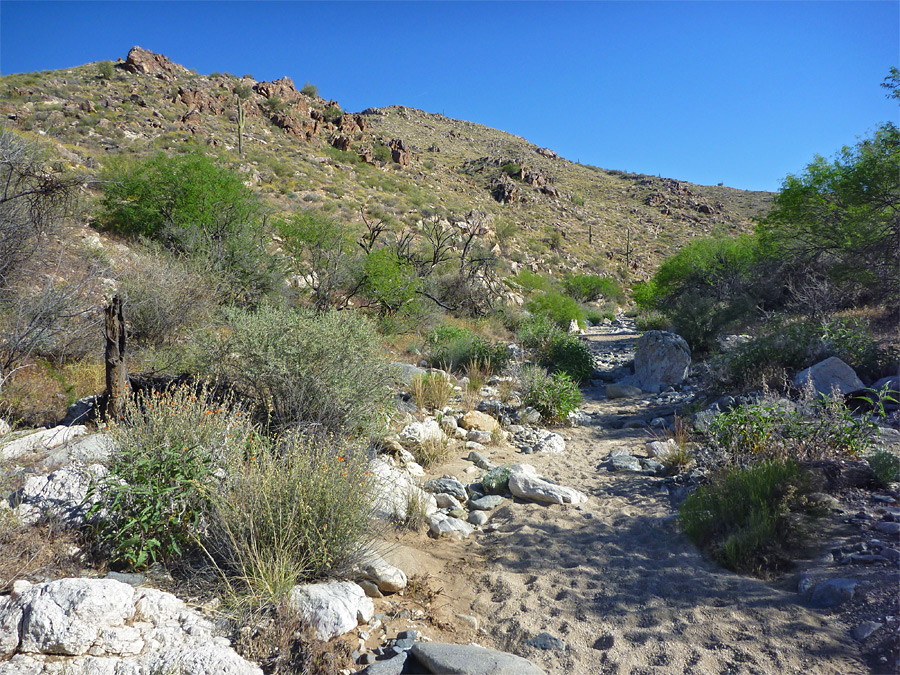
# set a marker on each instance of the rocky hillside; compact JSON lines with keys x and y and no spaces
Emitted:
{"x":302,"y":151}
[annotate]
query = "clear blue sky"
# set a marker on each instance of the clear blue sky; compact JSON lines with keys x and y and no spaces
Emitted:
{"x":740,"y":92}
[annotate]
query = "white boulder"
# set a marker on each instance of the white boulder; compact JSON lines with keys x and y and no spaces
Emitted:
{"x":830,"y":375}
{"x":333,"y":608}
{"x":525,"y":483}
{"x":661,"y":359}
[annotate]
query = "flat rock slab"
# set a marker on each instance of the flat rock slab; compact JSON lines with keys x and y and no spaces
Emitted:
{"x":470,"y":660}
{"x":525,"y":483}
{"x":45,"y":439}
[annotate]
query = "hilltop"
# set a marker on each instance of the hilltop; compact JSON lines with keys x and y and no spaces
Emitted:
{"x":302,"y":151}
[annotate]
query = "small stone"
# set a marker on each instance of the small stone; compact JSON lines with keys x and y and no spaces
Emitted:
{"x":468,"y":620}
{"x":865,"y":629}
{"x":370,"y":588}
{"x":888,"y":528}
{"x":447,"y":501}
{"x":477,"y":518}
{"x":480,"y":460}
{"x":548,"y":642}
{"x":487,"y":503}
{"x":834,"y":592}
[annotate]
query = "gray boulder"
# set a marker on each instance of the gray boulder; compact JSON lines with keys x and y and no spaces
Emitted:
{"x":60,"y":494}
{"x":661,"y":359}
{"x":618,"y":390}
{"x":45,"y":439}
{"x":470,"y":660}
{"x":830,"y":375}
{"x":525,"y":483}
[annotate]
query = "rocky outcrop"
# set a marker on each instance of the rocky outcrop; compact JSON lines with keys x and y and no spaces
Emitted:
{"x":148,"y":63}
{"x":202,"y":101}
{"x":341,"y":143}
{"x":400,"y":153}
{"x":352,"y":124}
{"x":60,"y":495}
{"x":45,"y":439}
{"x":282,"y":88}
{"x":504,"y":190}
{"x":105,"y":626}
{"x":661,"y":359}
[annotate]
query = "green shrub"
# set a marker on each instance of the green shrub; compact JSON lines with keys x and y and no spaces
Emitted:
{"x":531,"y":281}
{"x":297,"y":512}
{"x":596,"y":315}
{"x":242,"y":90}
{"x":554,"y":396}
{"x":275,"y":104}
{"x":536,"y":332}
{"x":310,"y":90}
{"x":169,"y":446}
{"x":751,"y":519}
{"x":105,"y":70}
{"x":651,"y":320}
{"x":195,"y":208}
{"x":511,"y":169}
{"x":559,"y":308}
{"x":589,"y":287}
{"x":568,"y":354}
{"x":773,"y":429}
{"x":332,"y":114}
{"x":431,"y":390}
{"x":381,"y":152}
{"x":885,"y":465}
{"x":453,"y":348}
{"x":390,"y":282}
{"x":302,"y":368}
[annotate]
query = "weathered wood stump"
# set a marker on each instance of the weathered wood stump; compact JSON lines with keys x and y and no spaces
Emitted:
{"x":116,"y":368}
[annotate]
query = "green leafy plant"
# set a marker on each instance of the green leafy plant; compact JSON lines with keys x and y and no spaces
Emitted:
{"x":554,"y":396}
{"x":455,"y":348}
{"x":885,"y":465}
{"x":431,"y":390}
{"x":310,"y":90}
{"x":105,"y":70}
{"x":751,"y":519}
{"x":556,"y":306}
{"x":567,"y":354}
{"x":588,"y":287}
{"x":169,"y":445}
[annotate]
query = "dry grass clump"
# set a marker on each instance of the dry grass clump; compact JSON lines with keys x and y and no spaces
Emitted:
{"x":35,"y":553}
{"x":295,"y":511}
{"x":432,"y":390}
{"x":39,"y":393}
{"x":432,"y":452}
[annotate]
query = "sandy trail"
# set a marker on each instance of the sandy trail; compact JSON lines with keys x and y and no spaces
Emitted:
{"x":620,"y":584}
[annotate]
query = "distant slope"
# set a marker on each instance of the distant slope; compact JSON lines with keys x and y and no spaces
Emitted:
{"x":545,"y":211}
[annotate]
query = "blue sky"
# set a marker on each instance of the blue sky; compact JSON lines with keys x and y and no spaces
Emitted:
{"x":739,"y":92}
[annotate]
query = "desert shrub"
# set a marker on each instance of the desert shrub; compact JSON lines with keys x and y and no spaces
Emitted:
{"x":554,"y":396}
{"x":389,"y":281}
{"x":169,"y":446}
{"x":105,"y":70}
{"x":751,"y":519}
{"x":885,"y":465}
{"x":531,"y":281}
{"x":588,"y":287}
{"x":381,"y":152}
{"x":798,"y":345}
{"x":597,"y":315}
{"x":453,"y":348}
{"x":193,"y":207}
{"x":432,"y":452}
{"x":511,"y":169}
{"x":310,"y":90}
{"x":768,"y":428}
{"x":302,"y":368}
{"x":242,"y":90}
{"x":431,"y":390}
{"x":651,"y":320}
{"x":700,"y":319}
{"x":297,"y":511}
{"x":556,"y":306}
{"x":332,"y":114}
{"x":567,"y":354}
{"x":165,"y":298}
{"x":536,"y":332}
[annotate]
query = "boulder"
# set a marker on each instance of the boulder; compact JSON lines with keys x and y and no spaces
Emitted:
{"x":406,"y":372}
{"x":332,"y":608}
{"x":442,"y":525}
{"x":614,"y":391}
{"x":418,"y":433}
{"x":479,"y":421}
{"x":60,"y":494}
{"x":397,"y":492}
{"x":834,"y":592}
{"x":662,"y":449}
{"x":388,"y":578}
{"x":104,"y":626}
{"x":45,"y":439}
{"x":470,"y":660}
{"x":830,"y":375}
{"x":661,"y":359}
{"x":525,"y":483}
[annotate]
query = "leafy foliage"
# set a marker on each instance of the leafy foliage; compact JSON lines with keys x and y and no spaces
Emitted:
{"x":558,"y":307}
{"x":455,"y":348}
{"x":303,"y":368}
{"x":169,"y":446}
{"x":567,"y":354}
{"x":747,"y":518}
{"x":195,"y":208}
{"x":554,"y":396}
{"x":589,"y":287}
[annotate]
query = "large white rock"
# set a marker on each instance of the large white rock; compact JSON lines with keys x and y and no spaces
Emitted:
{"x":45,"y":439}
{"x":662,"y":449}
{"x":332,"y":608}
{"x":829,"y":375}
{"x":525,"y":483}
{"x":422,"y":432}
{"x":105,"y":627}
{"x":442,"y":525}
{"x":480,"y":421}
{"x":396,"y":492}
{"x":387,"y":577}
{"x":661,"y":359}
{"x":60,"y":494}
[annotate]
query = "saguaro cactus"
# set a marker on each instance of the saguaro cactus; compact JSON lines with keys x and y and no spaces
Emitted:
{"x":240,"y":125}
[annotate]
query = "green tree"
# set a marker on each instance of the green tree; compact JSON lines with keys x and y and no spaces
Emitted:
{"x":195,"y":208}
{"x":389,"y":281}
{"x":842,"y":218}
